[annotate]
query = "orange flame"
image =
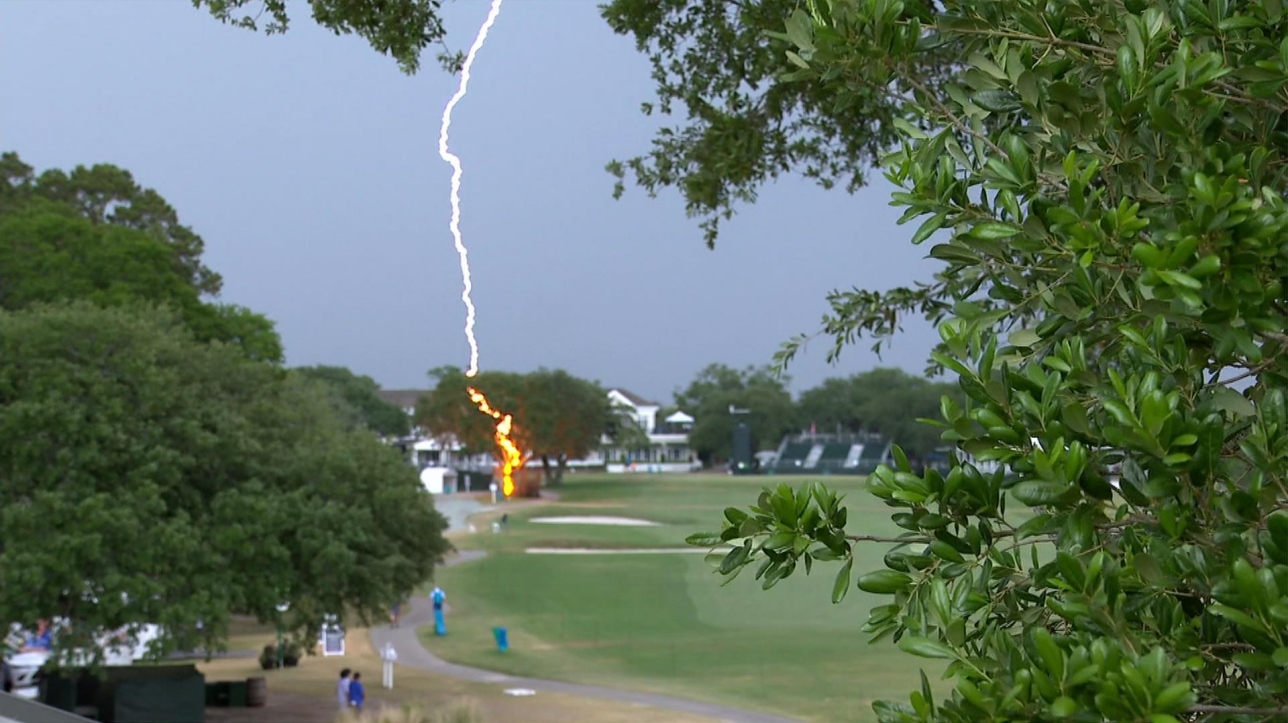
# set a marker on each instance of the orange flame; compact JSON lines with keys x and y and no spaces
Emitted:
{"x":511,"y":458}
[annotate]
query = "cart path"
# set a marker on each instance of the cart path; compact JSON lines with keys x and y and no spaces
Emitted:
{"x":411,"y":652}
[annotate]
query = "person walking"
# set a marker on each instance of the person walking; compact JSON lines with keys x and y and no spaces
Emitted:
{"x":357,"y":694}
{"x":439,"y":598}
{"x":342,"y":689}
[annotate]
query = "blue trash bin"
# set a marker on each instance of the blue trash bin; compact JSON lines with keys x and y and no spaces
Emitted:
{"x":502,"y":639}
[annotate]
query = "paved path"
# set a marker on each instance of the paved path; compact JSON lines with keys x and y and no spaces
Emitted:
{"x":458,"y":510}
{"x":411,"y":652}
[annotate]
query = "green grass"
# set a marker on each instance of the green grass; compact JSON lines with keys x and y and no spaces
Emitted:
{"x":663,"y":622}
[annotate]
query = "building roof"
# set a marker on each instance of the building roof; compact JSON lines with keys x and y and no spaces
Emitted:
{"x":633,"y":398}
{"x":21,"y":710}
{"x":404,"y":398}
{"x":680,"y":418}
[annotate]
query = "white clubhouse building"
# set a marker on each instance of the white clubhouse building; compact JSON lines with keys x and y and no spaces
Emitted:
{"x":667,"y":449}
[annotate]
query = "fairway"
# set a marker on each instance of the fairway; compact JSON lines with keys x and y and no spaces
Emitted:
{"x":662,"y":622}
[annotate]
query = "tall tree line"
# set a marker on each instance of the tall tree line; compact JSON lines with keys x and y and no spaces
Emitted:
{"x":885,"y":401}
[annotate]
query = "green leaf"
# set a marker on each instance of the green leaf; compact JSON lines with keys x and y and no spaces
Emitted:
{"x":1237,"y":617}
{"x":884,"y":582}
{"x":1064,"y":707}
{"x":1036,"y":493}
{"x":929,"y":227}
{"x":925,"y":647}
{"x":993,"y":231}
{"x":945,"y":551}
{"x":996,"y":100}
{"x":1023,"y":337}
{"x":1232,"y":402}
{"x":842,"y":584}
{"x":735,"y":515}
{"x":703,"y":539}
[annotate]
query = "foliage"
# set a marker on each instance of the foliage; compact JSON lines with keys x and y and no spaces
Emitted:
{"x":356,"y":400}
{"x":566,"y":418}
{"x":401,"y":29}
{"x":1108,"y":179}
{"x":886,"y":401}
{"x":718,"y":63}
{"x":716,"y":388}
{"x":149,"y":478}
{"x":557,"y":416}
{"x":449,"y":415}
{"x":106,"y":194}
{"x":95,"y":235}
{"x":290,"y":655}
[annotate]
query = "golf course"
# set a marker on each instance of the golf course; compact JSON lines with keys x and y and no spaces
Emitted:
{"x":590,"y":594}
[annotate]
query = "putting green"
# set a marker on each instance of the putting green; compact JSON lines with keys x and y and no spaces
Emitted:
{"x":663,"y":622}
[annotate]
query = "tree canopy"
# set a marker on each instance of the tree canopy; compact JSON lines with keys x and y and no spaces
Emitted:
{"x":567,"y":418}
{"x":401,"y":29}
{"x":719,"y":66}
{"x":94,"y":234}
{"x":356,"y":400}
{"x":885,"y":401}
{"x":106,"y":194}
{"x":557,"y":416}
{"x":1104,"y":181}
{"x":716,"y":388}
{"x":151,"y":478}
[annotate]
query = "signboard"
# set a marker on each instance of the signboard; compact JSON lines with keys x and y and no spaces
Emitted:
{"x":332,"y":640}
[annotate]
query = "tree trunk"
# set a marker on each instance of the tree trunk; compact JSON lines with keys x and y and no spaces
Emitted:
{"x":559,"y":471}
{"x":527,"y":482}
{"x":546,"y":470}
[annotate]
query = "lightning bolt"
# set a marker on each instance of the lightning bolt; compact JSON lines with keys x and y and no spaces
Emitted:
{"x":455,"y":163}
{"x":512,"y":458}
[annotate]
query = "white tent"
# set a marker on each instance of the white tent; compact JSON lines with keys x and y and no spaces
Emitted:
{"x":438,"y":480}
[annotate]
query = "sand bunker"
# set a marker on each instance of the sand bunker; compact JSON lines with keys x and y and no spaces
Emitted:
{"x":595,"y":520}
{"x":608,"y":551}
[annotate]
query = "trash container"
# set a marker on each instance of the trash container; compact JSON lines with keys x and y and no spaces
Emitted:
{"x":502,"y":639}
{"x":237,"y":694}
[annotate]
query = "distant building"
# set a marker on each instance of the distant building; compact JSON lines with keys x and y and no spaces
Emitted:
{"x":667,"y":448}
{"x":814,"y":453}
{"x":422,"y":446}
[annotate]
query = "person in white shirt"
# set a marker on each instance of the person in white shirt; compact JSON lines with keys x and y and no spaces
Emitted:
{"x":342,"y":689}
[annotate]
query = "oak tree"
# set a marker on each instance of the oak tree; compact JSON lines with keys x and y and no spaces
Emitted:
{"x":151,"y":478}
{"x":718,"y":387}
{"x":95,"y":235}
{"x":356,"y":400}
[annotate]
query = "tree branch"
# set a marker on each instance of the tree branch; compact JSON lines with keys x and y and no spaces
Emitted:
{"x":1238,"y":710}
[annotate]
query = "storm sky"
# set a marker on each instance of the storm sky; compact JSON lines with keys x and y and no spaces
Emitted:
{"x":309,"y":164}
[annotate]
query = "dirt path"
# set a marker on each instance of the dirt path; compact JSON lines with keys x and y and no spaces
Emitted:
{"x":412,"y":653}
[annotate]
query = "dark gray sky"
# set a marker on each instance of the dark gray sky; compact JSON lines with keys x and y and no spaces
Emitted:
{"x":309,"y":164}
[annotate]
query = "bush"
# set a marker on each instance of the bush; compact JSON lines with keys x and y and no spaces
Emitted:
{"x":290,"y":656}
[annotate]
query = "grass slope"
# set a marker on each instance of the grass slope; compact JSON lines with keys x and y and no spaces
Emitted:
{"x":663,"y":622}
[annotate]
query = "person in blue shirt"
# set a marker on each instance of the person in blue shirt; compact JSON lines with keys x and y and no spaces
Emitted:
{"x":41,"y":640}
{"x":357,"y":694}
{"x":439,"y":598}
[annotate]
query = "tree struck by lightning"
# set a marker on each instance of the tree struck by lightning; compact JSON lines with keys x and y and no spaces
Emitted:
{"x":512,"y":458}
